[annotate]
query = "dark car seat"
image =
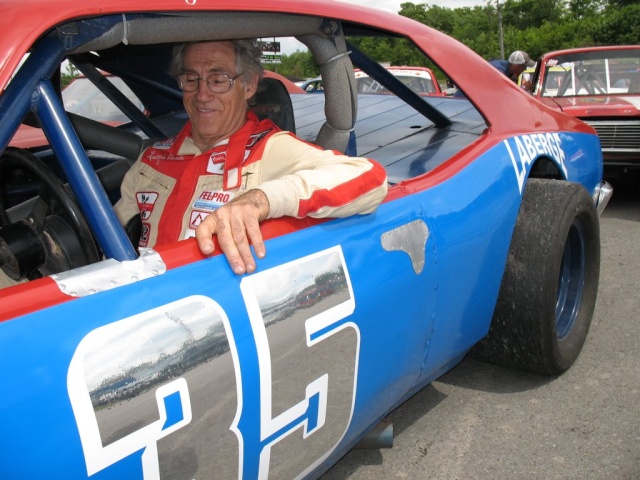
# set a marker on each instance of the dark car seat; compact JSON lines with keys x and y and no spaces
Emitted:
{"x":273,"y":102}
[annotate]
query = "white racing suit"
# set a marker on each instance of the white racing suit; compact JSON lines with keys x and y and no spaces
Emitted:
{"x":174,"y":185}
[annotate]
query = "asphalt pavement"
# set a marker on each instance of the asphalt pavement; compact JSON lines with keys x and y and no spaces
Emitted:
{"x":485,"y":422}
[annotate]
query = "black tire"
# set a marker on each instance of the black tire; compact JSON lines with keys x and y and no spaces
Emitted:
{"x":550,"y":283}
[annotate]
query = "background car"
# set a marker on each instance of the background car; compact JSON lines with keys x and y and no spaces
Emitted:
{"x":162,"y":363}
{"x":313,"y":85}
{"x":419,"y":79}
{"x":600,"y":85}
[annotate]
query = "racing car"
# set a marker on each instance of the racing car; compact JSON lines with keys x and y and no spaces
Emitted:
{"x":124,"y":362}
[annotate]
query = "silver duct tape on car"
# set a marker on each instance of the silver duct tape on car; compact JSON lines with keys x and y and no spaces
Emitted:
{"x":109,"y":274}
{"x":410,"y":238}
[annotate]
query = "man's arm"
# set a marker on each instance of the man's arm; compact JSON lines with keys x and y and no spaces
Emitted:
{"x":303,"y":180}
{"x":298,"y":180}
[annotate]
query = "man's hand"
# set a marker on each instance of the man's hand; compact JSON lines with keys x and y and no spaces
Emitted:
{"x":237,"y":225}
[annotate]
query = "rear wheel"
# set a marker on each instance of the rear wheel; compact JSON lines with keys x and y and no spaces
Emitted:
{"x":549,"y":287}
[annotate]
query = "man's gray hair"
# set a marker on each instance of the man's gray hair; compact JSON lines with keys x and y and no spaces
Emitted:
{"x":248,"y":58}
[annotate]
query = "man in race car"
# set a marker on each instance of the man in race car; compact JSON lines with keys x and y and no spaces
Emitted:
{"x":226,"y":171}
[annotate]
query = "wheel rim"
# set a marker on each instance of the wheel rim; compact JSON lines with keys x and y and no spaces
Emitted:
{"x":570,"y":281}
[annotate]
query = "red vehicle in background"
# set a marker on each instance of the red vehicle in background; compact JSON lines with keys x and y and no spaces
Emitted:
{"x":601,"y":86}
{"x":290,"y":86}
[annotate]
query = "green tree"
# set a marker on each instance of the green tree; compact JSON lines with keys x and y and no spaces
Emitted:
{"x":580,"y":9}
{"x":68,"y":74}
{"x":440,"y":18}
{"x":298,"y":65}
{"x":619,"y":25}
{"x":524,"y":14}
{"x":623,"y":3}
{"x":536,"y":26}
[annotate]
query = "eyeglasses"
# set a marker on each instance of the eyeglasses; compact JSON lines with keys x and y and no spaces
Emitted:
{"x":217,"y":82}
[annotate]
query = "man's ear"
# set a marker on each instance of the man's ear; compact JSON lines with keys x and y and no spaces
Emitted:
{"x":250,"y":88}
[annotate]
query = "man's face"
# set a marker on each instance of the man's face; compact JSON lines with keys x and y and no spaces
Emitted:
{"x":215,"y":116}
{"x":516,"y":70}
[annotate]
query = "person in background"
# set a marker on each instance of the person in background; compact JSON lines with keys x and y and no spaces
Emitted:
{"x":517,"y":62}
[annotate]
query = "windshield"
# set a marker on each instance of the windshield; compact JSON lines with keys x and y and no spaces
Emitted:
{"x":588,"y":73}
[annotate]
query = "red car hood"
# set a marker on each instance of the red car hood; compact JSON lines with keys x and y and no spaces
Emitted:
{"x":597,"y":105}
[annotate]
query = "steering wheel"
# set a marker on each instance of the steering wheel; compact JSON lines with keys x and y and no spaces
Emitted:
{"x":50,"y":234}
